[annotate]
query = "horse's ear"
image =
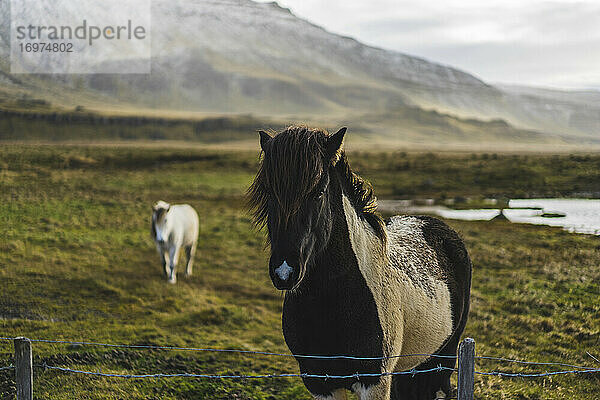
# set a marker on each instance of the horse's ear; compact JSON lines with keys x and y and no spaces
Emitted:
{"x":264,"y":139}
{"x":161,"y":205}
{"x":334,"y":145}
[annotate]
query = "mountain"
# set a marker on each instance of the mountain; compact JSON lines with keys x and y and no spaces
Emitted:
{"x":239,"y":56}
{"x":580,"y":108}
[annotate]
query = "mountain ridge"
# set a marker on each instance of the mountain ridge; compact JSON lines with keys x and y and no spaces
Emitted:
{"x":240,"y":56}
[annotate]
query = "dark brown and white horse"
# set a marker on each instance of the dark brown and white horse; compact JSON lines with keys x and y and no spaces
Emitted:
{"x":355,"y":285}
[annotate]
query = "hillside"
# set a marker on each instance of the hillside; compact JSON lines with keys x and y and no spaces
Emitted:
{"x":238,"y":56}
{"x":30,"y":119}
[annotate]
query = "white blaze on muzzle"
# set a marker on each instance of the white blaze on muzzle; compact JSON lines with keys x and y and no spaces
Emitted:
{"x":284,"y":271}
{"x":159,"y":234}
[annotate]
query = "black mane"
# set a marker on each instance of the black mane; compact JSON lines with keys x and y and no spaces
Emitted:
{"x":360,"y":193}
{"x":295,"y":166}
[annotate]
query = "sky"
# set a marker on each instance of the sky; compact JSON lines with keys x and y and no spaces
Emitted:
{"x":544,"y":43}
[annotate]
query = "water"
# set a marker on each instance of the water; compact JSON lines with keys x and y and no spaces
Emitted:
{"x":582,"y":215}
{"x":468,"y":215}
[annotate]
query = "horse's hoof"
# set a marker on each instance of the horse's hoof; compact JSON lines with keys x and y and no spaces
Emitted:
{"x":172,"y":281}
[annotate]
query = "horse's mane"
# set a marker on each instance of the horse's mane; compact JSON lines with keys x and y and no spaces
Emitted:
{"x":293,"y":170}
{"x":360,"y":193}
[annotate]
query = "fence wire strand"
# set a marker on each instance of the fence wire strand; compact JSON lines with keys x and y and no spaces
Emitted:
{"x":301,"y":375}
{"x":439,"y":368}
{"x":532,"y":362}
{"x":316,"y":376}
{"x":537,"y":375}
{"x":266,"y":353}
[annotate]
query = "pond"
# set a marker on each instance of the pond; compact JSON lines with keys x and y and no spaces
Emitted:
{"x":573,"y":215}
{"x":580,"y":215}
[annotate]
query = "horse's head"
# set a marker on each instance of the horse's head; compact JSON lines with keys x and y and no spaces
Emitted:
{"x":159,"y":220}
{"x":291,"y":195}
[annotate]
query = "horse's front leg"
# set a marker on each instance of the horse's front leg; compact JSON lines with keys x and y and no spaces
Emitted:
{"x":163,"y":260}
{"x":173,"y":257}
{"x":166,"y":264}
{"x":380,"y":391}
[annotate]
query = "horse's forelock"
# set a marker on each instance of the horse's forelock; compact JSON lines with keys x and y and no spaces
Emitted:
{"x":294,"y":166}
{"x":290,"y":170}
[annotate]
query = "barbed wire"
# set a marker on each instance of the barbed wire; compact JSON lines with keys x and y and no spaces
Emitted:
{"x":537,"y":375}
{"x":531,"y":362}
{"x":412,"y":372}
{"x":175,"y":348}
{"x":357,"y":376}
{"x":155,"y":347}
{"x":439,"y":368}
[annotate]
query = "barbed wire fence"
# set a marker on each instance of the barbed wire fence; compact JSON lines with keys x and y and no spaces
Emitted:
{"x":23,"y":366}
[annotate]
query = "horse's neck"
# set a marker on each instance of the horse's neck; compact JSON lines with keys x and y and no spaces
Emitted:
{"x":353,"y":248}
{"x":366,"y":245}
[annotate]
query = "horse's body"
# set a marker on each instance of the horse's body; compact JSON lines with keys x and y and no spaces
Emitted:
{"x":357,"y":286}
{"x":372,"y":309}
{"x":174,"y":227}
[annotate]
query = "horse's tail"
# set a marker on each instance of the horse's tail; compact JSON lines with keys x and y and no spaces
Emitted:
{"x":450,"y":250}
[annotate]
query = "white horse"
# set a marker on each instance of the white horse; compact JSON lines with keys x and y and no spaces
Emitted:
{"x":174,"y":227}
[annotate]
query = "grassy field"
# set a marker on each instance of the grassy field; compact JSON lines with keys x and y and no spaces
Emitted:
{"x":77,"y":262}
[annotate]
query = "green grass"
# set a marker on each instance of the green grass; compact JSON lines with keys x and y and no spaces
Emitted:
{"x":448,"y":175}
{"x":36,"y":120}
{"x":77,"y":262}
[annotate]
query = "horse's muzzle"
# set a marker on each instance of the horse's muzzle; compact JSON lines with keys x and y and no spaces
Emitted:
{"x":284,"y":275}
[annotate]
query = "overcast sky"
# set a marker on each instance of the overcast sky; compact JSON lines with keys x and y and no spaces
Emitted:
{"x":533,"y":42}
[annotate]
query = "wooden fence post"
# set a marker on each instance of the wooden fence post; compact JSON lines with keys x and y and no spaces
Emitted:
{"x":466,"y":369}
{"x":23,"y":368}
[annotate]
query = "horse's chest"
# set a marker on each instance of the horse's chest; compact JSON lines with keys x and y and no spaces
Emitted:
{"x":342,"y":320}
{"x":333,"y":321}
